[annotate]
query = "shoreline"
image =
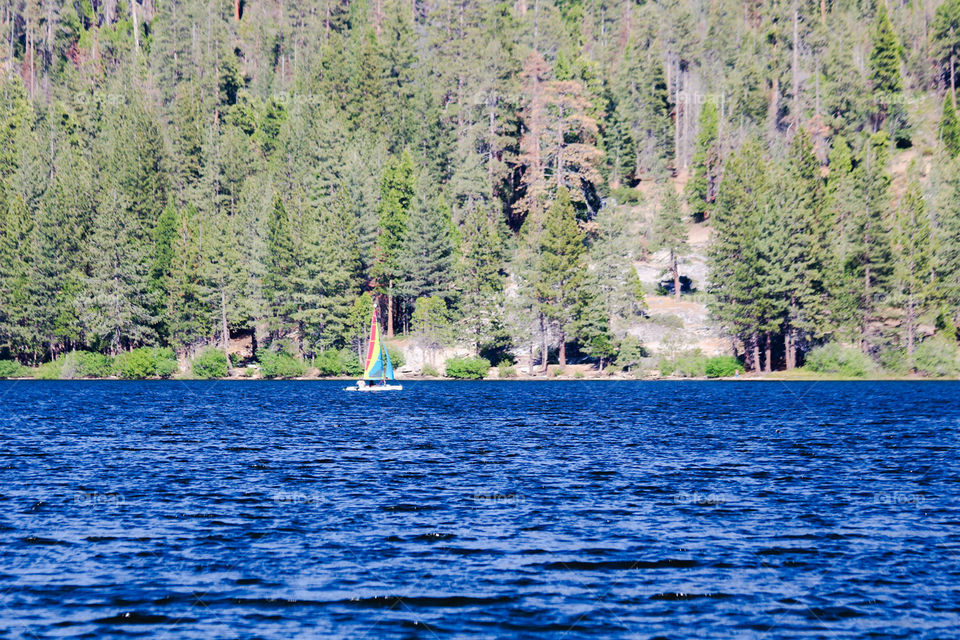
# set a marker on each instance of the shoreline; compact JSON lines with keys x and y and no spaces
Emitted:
{"x":776,"y":376}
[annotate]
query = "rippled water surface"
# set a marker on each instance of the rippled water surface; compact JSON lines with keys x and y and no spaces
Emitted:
{"x":560,"y":509}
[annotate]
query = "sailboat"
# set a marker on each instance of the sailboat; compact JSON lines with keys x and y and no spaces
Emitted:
{"x":378,"y":370}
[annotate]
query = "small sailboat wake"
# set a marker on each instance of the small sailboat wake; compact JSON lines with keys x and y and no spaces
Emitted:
{"x":378,"y":370}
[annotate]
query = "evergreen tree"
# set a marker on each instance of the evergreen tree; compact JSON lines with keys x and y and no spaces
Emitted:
{"x":283,"y":260}
{"x":479,"y":277}
{"x":396,"y":199}
{"x":141,"y":157}
{"x":326,"y":281}
{"x":118,"y":306}
{"x":806,"y":255}
{"x":945,"y":210}
{"x":885,"y":76}
{"x":222,"y":273}
{"x":950,"y":128}
{"x":914,"y":256}
{"x":612,"y":254}
{"x":559,"y":269}
{"x":638,"y":130}
{"x":670,"y":234}
{"x":842,"y":207}
{"x":185,"y":311}
{"x":557,"y":149}
{"x":358,"y":322}
{"x":427,"y":253}
{"x":869,"y":260}
{"x":734,"y":252}
{"x":432,"y":325}
{"x":945,"y":38}
{"x":701,"y":190}
{"x":19,"y":298}
{"x":164,"y":236}
{"x":592,"y":328}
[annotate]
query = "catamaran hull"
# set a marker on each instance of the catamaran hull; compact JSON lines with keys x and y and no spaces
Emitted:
{"x":378,"y":387}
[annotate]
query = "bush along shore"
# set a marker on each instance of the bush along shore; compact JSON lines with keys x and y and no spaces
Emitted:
{"x":832,"y":361}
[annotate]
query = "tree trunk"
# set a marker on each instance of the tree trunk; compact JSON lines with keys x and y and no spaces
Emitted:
{"x":390,"y":310}
{"x":768,"y":353}
{"x":136,"y":27}
{"x":789,"y":349}
{"x":755,"y":348}
{"x":866,"y":302}
{"x":300,"y":332}
{"x":774,"y":108}
{"x":543,"y":337}
{"x":236,"y":12}
{"x":563,"y":349}
{"x":823,"y":11}
{"x":491,"y":132}
{"x":676,"y":275}
{"x":676,"y":119}
{"x":224,"y":329}
{"x":910,"y":323}
{"x":953,"y":82}
{"x":796,"y":67}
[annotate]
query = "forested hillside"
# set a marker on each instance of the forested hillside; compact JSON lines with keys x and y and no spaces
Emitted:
{"x":174,"y":173}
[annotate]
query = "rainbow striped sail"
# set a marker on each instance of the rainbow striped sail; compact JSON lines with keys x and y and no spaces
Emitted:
{"x":378,"y":365}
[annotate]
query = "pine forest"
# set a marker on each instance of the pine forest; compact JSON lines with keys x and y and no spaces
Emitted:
{"x":524,"y":183}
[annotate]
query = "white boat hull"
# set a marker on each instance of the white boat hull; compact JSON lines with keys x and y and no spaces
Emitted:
{"x":376,"y":387}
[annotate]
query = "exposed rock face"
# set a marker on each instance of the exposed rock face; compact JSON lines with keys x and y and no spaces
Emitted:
{"x":416,"y":356}
{"x":674,"y":325}
{"x":679,"y":325}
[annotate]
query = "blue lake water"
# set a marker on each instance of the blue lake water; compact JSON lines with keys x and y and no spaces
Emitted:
{"x":513,"y":509}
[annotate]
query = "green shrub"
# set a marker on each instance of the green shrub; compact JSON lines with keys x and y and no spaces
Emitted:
{"x":351,"y":363}
{"x":630,"y":354}
{"x":281,"y":365}
{"x":328,"y":363}
{"x":49,"y":370}
{"x":578,"y":375}
{"x":93,"y":365}
{"x":467,"y":368}
{"x":894,"y":360}
{"x":839,"y":359}
{"x":137,"y":364}
{"x":936,"y":356}
{"x":430,"y":371}
{"x":506,"y":369}
{"x":211,"y":363}
{"x":396,"y":356}
{"x":11,"y":369}
{"x":146,"y":362}
{"x":69,"y":366}
{"x":335,"y":363}
{"x":688,"y":364}
{"x":557,"y":372}
{"x":166,"y":362}
{"x":626,"y":195}
{"x":722,"y":367}
{"x":668,"y":320}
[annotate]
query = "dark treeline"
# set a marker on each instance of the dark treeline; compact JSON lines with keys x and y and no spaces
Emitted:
{"x":174,"y":173}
